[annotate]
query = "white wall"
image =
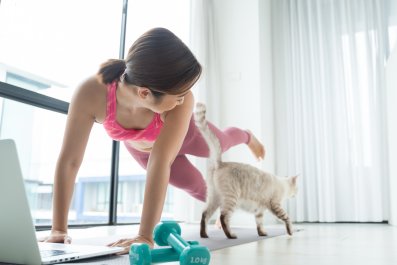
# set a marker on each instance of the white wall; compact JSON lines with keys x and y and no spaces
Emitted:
{"x":243,"y":29}
{"x":391,"y":79}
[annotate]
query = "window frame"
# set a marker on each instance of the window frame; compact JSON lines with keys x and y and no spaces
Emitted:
{"x":32,"y":98}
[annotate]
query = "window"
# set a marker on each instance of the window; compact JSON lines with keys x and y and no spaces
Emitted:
{"x":49,"y":47}
{"x":58,"y":43}
{"x":38,"y":135}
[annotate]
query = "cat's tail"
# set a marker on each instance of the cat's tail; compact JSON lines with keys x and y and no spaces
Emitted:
{"x":211,"y":139}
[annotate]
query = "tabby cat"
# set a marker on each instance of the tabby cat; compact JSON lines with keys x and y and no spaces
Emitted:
{"x":231,"y":185}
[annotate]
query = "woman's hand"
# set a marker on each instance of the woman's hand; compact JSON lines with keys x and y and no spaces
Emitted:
{"x":127,"y":242}
{"x":57,"y":237}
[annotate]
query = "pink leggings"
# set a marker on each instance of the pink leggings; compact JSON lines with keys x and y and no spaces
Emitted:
{"x":183,"y":174}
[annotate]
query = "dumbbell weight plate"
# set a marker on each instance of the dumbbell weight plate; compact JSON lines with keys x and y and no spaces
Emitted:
{"x":195,"y":255}
{"x":140,"y":254}
{"x":163,"y":230}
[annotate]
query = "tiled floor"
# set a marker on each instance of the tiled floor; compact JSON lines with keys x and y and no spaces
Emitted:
{"x":316,"y":244}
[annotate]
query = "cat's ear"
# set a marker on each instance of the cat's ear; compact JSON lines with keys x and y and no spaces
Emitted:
{"x":293,"y":179}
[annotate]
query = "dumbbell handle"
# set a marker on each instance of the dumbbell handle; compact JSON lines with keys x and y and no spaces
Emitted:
{"x":164,"y":255}
{"x":167,"y":254}
{"x":177,"y":242}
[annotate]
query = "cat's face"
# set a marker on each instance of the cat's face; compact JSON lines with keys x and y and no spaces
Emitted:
{"x":293,"y":186}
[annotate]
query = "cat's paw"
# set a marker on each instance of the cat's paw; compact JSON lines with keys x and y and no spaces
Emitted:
{"x":203,"y":234}
{"x":289,"y":229}
{"x":231,"y":235}
{"x":262,"y":232}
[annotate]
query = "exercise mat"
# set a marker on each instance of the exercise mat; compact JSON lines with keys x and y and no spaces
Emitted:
{"x":217,"y":240}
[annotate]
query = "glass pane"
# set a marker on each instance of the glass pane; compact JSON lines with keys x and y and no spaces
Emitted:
{"x":146,"y":14}
{"x":132,"y":178}
{"x":38,"y":135}
{"x":56,"y":44}
{"x":173,"y":15}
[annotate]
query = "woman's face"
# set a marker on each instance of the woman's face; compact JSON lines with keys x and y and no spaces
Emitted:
{"x":168,"y":102}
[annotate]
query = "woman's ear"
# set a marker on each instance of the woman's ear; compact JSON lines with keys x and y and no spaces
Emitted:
{"x":143,"y":92}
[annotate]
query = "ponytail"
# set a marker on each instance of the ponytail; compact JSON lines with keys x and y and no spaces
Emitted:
{"x":111,"y":71}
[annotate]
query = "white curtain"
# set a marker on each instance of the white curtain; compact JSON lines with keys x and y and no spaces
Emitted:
{"x":205,"y":45}
{"x":329,"y":81}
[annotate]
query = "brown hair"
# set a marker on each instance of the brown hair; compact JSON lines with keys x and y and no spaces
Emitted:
{"x":158,"y":60}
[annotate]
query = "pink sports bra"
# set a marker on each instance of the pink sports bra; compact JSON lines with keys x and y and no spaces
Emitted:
{"x":118,"y":132}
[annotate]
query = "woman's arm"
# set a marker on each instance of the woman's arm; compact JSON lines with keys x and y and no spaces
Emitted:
{"x":162,"y":156}
{"x":81,"y":117}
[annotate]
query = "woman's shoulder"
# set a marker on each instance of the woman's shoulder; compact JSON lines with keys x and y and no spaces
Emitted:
{"x":91,"y":87}
{"x":92,"y":94}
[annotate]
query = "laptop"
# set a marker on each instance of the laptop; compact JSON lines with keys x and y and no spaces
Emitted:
{"x":18,"y":242}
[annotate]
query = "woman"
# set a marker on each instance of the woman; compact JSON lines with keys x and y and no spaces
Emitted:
{"x":144,"y":101}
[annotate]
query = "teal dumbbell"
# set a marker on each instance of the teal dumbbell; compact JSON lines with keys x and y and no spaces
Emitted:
{"x":169,"y":233}
{"x":141,"y":254}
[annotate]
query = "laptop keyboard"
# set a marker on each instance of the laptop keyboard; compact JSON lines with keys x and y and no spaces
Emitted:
{"x":51,"y":253}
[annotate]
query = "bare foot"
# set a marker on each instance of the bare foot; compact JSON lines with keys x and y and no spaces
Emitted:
{"x":256,"y":147}
{"x":218,"y":223}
